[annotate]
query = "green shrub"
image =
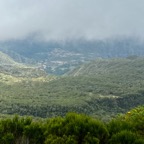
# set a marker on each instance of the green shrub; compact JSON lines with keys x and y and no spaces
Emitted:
{"x":124,"y":137}
{"x":80,"y":126}
{"x":52,"y":139}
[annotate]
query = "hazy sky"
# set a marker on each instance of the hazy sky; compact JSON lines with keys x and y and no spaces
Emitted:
{"x":60,"y":19}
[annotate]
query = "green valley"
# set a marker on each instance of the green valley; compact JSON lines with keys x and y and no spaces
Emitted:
{"x":103,"y":88}
{"x":71,"y":72}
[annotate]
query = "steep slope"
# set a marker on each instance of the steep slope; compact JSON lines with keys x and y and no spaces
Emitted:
{"x":113,"y":67}
{"x":9,"y":67}
{"x":6,"y":60}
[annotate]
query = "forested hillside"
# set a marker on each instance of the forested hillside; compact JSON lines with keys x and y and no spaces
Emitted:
{"x":103,"y":88}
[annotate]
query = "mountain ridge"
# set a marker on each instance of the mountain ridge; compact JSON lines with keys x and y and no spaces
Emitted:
{"x":10,"y":67}
{"x":59,"y":57}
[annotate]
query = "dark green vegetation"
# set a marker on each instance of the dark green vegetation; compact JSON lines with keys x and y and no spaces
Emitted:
{"x":74,"y":129}
{"x":101,"y":88}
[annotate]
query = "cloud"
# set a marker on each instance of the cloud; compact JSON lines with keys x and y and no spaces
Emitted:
{"x":61,"y":19}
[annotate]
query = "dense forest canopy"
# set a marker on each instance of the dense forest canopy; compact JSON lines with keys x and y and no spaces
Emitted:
{"x":74,"y":129}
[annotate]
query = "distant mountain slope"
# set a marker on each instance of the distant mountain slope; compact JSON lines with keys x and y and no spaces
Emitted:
{"x":58,"y":57}
{"x":10,"y":67}
{"x":6,"y":60}
{"x":112,"y":67}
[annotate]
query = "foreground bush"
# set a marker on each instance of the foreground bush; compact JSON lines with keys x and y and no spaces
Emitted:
{"x":126,"y":137}
{"x":81,"y":128}
{"x":74,"y":129}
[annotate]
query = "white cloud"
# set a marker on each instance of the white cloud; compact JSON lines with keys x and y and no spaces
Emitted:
{"x":60,"y":19}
